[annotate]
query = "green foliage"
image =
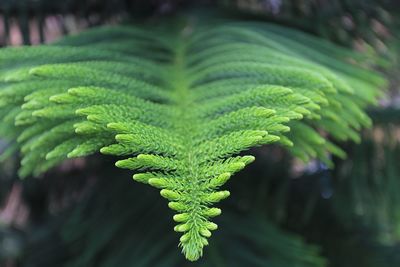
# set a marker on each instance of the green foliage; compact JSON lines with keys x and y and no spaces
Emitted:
{"x":179,"y":102}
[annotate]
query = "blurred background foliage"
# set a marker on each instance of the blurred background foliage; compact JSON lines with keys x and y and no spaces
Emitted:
{"x":284,"y":214}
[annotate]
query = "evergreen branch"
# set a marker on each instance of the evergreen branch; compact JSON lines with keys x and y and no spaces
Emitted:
{"x":180,"y":105}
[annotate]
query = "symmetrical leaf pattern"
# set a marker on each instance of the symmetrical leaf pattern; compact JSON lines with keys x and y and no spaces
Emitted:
{"x":179,"y":104}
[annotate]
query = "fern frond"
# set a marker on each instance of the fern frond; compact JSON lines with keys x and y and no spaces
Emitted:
{"x":180,"y":105}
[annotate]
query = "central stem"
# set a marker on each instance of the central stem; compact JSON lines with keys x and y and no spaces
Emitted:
{"x":187,"y":127}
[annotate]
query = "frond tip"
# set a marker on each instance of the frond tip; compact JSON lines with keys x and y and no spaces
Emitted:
{"x":180,"y":107}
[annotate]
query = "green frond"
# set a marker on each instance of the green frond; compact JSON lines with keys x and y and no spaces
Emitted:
{"x":180,"y":104}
